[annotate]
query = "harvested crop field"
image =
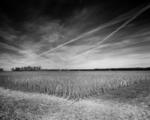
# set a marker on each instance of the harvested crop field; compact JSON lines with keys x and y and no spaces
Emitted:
{"x":121,"y":95}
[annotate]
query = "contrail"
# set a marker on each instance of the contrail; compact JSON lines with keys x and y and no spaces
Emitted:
{"x":112,"y":22}
{"x":9,"y":46}
{"x":140,"y":34}
{"x":118,"y":29}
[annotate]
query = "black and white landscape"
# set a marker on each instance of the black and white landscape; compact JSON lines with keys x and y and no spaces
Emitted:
{"x":74,"y":60}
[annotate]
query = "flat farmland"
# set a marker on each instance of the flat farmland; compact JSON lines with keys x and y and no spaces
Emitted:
{"x":123,"y":90}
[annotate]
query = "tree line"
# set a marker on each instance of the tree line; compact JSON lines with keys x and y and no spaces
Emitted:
{"x":27,"y":68}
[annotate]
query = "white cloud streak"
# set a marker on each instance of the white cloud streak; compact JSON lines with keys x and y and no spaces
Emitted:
{"x":116,"y":20}
{"x":118,"y":29}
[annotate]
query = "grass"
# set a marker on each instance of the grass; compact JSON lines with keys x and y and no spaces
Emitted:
{"x":75,"y":95}
{"x":76,"y":85}
{"x":17,"y":105}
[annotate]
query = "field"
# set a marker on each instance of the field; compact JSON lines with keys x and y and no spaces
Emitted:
{"x":75,"y":95}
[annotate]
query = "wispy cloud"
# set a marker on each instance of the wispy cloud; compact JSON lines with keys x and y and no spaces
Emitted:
{"x":53,"y":44}
{"x":118,"y":29}
{"x":116,"y":20}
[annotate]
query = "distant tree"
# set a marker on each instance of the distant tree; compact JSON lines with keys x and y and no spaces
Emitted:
{"x":1,"y":69}
{"x":27,"y":68}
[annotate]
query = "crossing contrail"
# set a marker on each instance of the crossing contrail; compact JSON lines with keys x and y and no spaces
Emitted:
{"x":9,"y":46}
{"x":112,"y":22}
{"x":118,"y":29}
{"x":139,"y":35}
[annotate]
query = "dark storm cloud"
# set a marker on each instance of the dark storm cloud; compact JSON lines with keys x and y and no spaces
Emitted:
{"x":54,"y":33}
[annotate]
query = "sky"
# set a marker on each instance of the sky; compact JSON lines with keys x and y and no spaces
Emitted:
{"x":74,"y":34}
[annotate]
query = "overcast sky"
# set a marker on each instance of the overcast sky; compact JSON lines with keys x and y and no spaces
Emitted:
{"x":68,"y":34}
